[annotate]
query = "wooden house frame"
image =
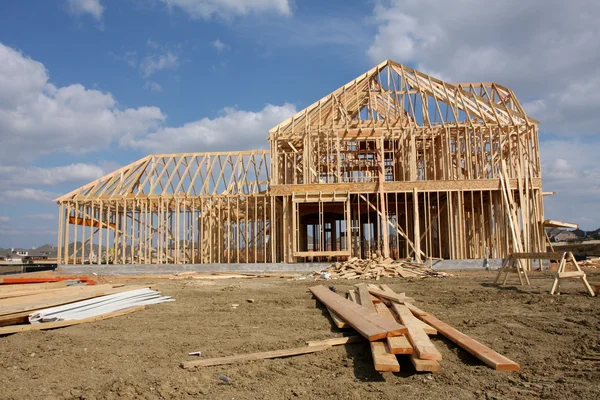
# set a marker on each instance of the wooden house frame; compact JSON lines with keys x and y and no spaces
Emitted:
{"x":395,"y":162}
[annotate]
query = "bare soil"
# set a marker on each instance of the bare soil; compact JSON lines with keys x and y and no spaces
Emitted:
{"x":554,"y":338}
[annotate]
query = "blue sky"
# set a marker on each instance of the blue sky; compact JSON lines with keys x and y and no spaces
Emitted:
{"x":87,"y":86}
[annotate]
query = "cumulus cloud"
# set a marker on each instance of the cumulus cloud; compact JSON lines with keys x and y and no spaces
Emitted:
{"x":29,"y":194}
{"x":36,"y":117}
{"x":230,"y":8}
{"x":232,"y":130}
{"x":547,"y":52}
{"x":79,"y":172}
{"x":91,"y":7}
{"x":4,"y":219}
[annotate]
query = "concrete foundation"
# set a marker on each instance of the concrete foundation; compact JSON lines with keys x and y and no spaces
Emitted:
{"x":141,"y":269}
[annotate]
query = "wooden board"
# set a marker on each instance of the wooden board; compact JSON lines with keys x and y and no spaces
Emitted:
{"x":32,"y":286}
{"x":366,"y":322}
{"x":416,"y":336}
{"x":383,"y":359}
{"x":390,"y":296}
{"x":339,"y":322}
{"x":31,"y":305}
{"x":337,"y":341}
{"x":484,"y":353}
{"x":364,"y":297}
{"x":61,"y":324}
{"x":396,"y":344}
{"x":424,"y":365}
{"x":253,"y":356}
{"x":50,"y":294}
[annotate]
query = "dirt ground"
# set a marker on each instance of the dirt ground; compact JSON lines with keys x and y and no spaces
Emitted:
{"x":554,"y":338}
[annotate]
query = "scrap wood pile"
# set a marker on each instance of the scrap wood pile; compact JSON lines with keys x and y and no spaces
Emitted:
{"x":390,"y":322}
{"x":376,"y":268}
{"x":52,"y":302}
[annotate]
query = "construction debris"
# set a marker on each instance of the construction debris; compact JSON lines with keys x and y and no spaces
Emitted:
{"x":376,"y":268}
{"x":57,"y":303}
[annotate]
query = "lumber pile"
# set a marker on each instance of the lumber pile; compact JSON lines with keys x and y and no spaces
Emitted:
{"x":392,"y":325}
{"x":56,"y":303}
{"x":411,"y":342}
{"x":376,"y":268}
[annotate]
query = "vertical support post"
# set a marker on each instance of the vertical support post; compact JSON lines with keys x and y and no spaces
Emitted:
{"x":416,"y":225}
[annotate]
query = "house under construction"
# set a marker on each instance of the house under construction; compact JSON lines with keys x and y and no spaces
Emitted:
{"x":395,"y":162}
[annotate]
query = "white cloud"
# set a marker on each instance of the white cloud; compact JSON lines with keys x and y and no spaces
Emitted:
{"x":25,"y":176}
{"x":220,"y":46}
{"x":37,"y":117}
{"x":153,"y":86}
{"x":230,"y":8}
{"x":4,"y":219}
{"x":91,"y":7}
{"x":157,"y":62}
{"x":29,"y":194}
{"x":546,"y":51}
{"x":233,"y":130}
{"x":570,"y":167}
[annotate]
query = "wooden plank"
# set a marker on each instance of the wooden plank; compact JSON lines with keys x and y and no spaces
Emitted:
{"x":61,"y":324}
{"x":416,"y":336}
{"x":253,"y":356}
{"x":571,"y":274}
{"x":400,"y":345}
{"x":559,"y":224}
{"x":424,"y":365}
{"x":396,"y":344}
{"x":337,"y":341}
{"x":484,"y":353}
{"x":398,"y":186}
{"x":364,"y":297}
{"x":383,"y":359}
{"x":339,"y":322}
{"x":352,"y":296}
{"x":367,"y":323}
{"x":47,"y":303}
{"x":51,"y":294}
{"x":32,"y":286}
{"x":391,"y":296}
{"x":537,"y":256}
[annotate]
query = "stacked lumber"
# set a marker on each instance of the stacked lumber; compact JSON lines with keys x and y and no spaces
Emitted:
{"x":376,"y":268}
{"x":57,"y":303}
{"x":411,"y":342}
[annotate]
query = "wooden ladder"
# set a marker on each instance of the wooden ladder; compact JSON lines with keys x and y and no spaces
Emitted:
{"x":562,"y":273}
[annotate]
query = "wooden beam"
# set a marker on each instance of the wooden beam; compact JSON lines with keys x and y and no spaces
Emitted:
{"x":61,"y":324}
{"x":366,"y":322}
{"x":336,"y":341}
{"x":398,"y":186}
{"x":484,"y":353}
{"x":549,"y":223}
{"x":416,"y":336}
{"x":383,"y":359}
{"x":253,"y":356}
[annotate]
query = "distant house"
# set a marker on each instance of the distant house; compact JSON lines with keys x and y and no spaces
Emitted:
{"x":552,"y":232}
{"x":565,"y":236}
